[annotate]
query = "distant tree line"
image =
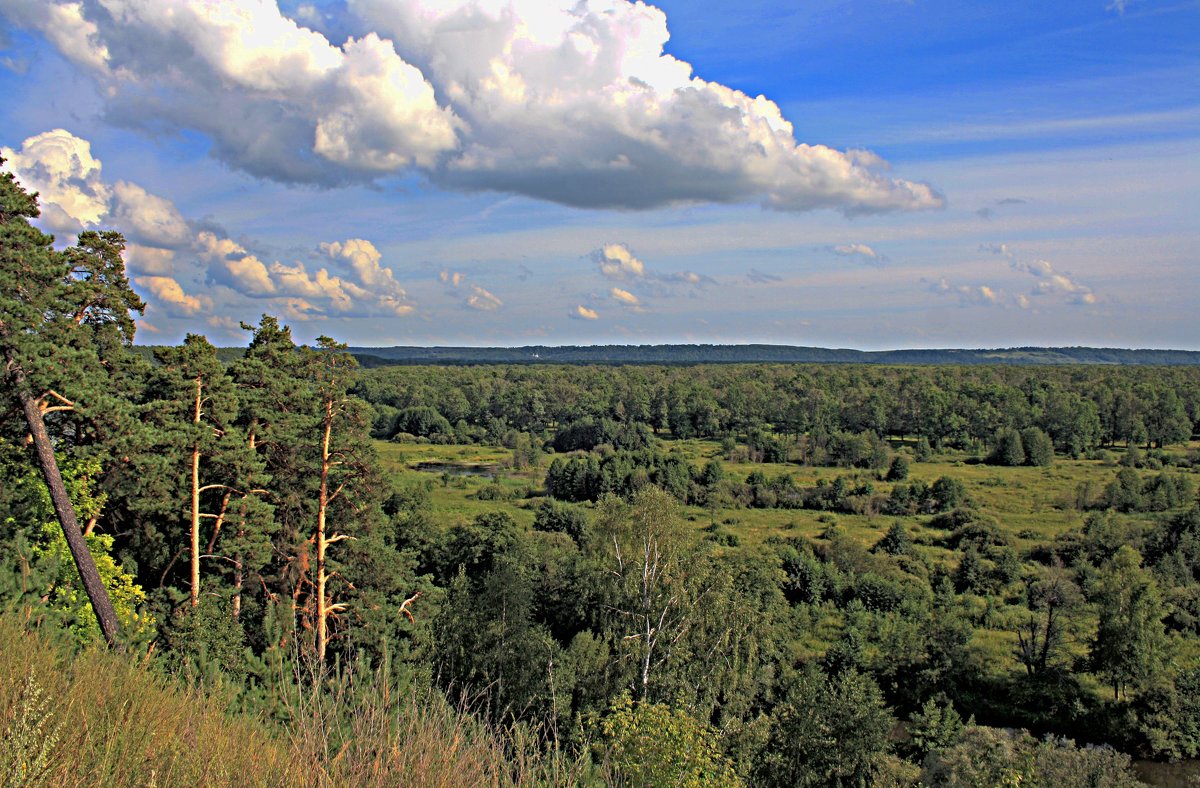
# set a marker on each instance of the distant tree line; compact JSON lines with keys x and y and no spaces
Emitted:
{"x":835,"y":409}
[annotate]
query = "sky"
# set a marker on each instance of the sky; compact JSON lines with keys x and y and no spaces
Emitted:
{"x":873,"y":174}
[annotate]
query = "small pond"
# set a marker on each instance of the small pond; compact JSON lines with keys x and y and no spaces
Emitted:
{"x":1181,"y":773}
{"x":457,"y":468}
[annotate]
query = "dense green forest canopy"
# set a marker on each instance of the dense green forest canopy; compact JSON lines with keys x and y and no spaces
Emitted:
{"x":777,"y":574}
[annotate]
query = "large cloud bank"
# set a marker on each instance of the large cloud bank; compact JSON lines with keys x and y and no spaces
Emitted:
{"x":574,"y":102}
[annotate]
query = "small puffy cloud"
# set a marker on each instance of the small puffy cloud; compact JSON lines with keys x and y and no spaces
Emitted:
{"x":1051,"y":282}
{"x":148,"y":218}
{"x":59,"y":166}
{"x":684,"y":277}
{"x":169,"y":293}
{"x":479,"y":298}
{"x":856,"y":250}
{"x":483,"y":300}
{"x":617,"y":262}
{"x":225,"y":323}
{"x":575,"y":103}
{"x":1004,"y":250}
{"x":981,"y":295}
{"x":624,"y":297}
{"x":452,"y":278}
{"x":581,"y":312}
{"x":295,"y":280}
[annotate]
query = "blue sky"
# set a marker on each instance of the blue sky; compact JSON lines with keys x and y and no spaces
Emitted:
{"x":915,"y":174}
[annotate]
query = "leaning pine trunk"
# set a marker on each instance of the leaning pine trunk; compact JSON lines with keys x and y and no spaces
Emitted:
{"x":106,"y":615}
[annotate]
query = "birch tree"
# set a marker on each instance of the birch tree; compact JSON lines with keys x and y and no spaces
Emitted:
{"x":653,"y":579}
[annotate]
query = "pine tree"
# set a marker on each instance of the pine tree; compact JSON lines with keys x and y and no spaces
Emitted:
{"x":64,"y":316}
{"x":342,"y":427}
{"x":197,"y":404}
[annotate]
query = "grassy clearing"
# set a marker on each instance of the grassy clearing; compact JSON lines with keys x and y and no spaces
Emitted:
{"x":1032,"y":506}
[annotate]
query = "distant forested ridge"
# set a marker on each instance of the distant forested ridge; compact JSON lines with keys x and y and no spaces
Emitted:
{"x":745,"y":354}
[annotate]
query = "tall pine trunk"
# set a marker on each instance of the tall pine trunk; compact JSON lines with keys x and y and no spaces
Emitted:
{"x":322,"y":508}
{"x":195,"y":598}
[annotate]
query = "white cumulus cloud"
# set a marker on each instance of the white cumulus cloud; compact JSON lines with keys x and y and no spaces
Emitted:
{"x":582,"y":312}
{"x":60,"y":167}
{"x":617,"y":262}
{"x":148,"y":218}
{"x":575,"y":103}
{"x":376,"y":282}
{"x":169,"y":293}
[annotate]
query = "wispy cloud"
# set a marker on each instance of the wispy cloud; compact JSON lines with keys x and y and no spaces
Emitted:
{"x":483,"y":300}
{"x":1157,"y":121}
{"x":761,"y":277}
{"x":623,"y":297}
{"x":988,"y":211}
{"x":1051,"y":282}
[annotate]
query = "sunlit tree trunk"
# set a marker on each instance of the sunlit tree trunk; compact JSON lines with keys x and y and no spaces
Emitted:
{"x":195,"y":532}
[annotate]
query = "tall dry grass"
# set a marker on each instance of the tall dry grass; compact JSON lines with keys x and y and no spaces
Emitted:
{"x":98,"y":718}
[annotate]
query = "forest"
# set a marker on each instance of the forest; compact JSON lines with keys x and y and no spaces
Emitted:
{"x":760,"y":574}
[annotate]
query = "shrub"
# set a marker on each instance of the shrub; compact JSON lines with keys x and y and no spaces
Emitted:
{"x":554,"y":517}
{"x":653,"y":744}
{"x":422,"y":421}
{"x":898,"y":470}
{"x":1039,"y":448}
{"x":1009,"y":449}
